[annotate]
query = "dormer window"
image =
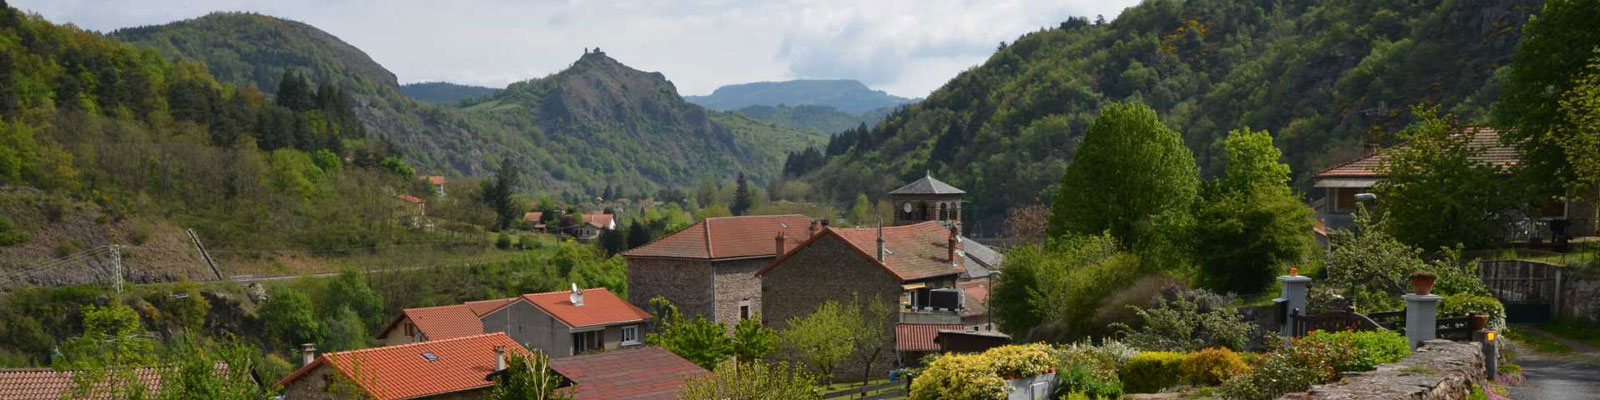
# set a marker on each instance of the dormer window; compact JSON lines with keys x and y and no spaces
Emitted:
{"x":430,"y":356}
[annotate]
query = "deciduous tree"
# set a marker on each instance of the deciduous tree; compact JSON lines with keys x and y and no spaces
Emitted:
{"x":1250,"y":224}
{"x":1130,"y":170}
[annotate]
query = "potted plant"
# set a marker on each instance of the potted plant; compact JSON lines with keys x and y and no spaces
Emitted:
{"x":1479,"y":321}
{"x":1422,"y":282}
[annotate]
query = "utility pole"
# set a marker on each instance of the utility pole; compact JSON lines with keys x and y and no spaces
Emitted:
{"x":116,"y":266}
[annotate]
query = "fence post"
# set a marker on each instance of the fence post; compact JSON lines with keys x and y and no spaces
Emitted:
{"x":1555,"y":298}
{"x":1294,"y":295}
{"x":1422,"y":317}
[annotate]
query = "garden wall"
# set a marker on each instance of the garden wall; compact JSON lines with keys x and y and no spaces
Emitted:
{"x":1439,"y":370}
{"x":1580,"y":296}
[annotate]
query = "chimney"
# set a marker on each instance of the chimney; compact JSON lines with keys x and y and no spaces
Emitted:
{"x":779,"y":240}
{"x":881,"y":250}
{"x":499,"y":358}
{"x":576,"y":297}
{"x":954,"y":246}
{"x":814,"y":229}
{"x":308,"y":354}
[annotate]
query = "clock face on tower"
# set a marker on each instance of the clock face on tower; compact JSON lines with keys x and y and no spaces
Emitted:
{"x":907,"y":207}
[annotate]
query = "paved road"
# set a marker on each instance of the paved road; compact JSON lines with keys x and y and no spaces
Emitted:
{"x":1573,"y":376}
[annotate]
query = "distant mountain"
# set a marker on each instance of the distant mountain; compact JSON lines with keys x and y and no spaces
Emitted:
{"x":445,"y":92}
{"x":601,"y":117}
{"x":596,"y":124}
{"x":845,"y":95}
{"x":814,"y":118}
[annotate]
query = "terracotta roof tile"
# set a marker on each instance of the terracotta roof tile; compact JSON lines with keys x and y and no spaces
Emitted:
{"x":913,"y":251}
{"x":728,"y":237}
{"x":532,"y":216}
{"x":436,"y":179}
{"x":410,"y":199}
{"x":600,"y":307}
{"x":1494,"y":153}
{"x":919,"y":337}
{"x":628,"y":374}
{"x":976,"y":293}
{"x":481,"y":307}
{"x":445,"y":322}
{"x":404,"y":372}
{"x":49,"y":384}
{"x":602,"y":221}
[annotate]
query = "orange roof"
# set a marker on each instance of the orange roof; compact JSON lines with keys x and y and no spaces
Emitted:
{"x":728,"y":237}
{"x":436,"y":179}
{"x":49,"y":384}
{"x":627,"y":374}
{"x":602,"y":221}
{"x":417,"y":369}
{"x":481,"y":307}
{"x":410,"y":199}
{"x":600,"y":307}
{"x":1494,"y":153}
{"x":532,"y":216}
{"x":445,"y":322}
{"x":919,"y":337}
{"x":913,"y":251}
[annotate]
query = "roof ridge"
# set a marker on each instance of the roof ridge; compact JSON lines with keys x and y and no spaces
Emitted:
{"x":416,"y":344}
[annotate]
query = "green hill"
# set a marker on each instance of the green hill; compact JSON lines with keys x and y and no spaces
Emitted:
{"x":444,"y":92}
{"x":814,"y":118}
{"x":845,"y":95}
{"x":563,"y":129}
{"x":1323,"y":76}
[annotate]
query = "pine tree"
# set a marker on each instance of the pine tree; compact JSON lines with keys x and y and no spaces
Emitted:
{"x":741,"y":196}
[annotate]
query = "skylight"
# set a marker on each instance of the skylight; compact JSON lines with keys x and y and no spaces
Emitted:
{"x":430,"y":356}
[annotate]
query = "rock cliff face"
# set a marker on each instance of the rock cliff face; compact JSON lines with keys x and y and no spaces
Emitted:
{"x":1439,"y":370}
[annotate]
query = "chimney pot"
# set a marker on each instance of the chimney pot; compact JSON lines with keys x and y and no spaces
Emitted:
{"x":779,"y":240}
{"x":954,"y":247}
{"x":499,"y":358}
{"x":308,"y":354}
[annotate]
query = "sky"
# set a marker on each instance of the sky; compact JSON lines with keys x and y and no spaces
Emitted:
{"x":905,"y":47}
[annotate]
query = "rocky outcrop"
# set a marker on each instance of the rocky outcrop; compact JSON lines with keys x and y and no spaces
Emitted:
{"x":1439,"y":370}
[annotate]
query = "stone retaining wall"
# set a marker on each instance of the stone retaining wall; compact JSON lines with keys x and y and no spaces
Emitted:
{"x":1439,"y":370}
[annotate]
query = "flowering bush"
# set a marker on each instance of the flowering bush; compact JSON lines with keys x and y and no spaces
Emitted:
{"x":959,"y":376}
{"x":1150,"y":372}
{"x":1212,"y":366}
{"x":1366,"y":349}
{"x":1020,"y":361}
{"x":1461,"y":305}
{"x":1288,"y":369}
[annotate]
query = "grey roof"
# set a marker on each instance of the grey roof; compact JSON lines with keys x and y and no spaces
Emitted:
{"x":982,"y":260}
{"x":928,"y":185}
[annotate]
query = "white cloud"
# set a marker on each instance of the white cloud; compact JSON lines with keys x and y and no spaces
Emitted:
{"x":907,"y":47}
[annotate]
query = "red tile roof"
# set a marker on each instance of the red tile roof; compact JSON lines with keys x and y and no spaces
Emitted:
{"x":532,"y":216}
{"x":600,"y":307}
{"x":919,"y":337}
{"x":49,"y":384}
{"x":410,"y":199}
{"x":481,"y":307}
{"x":627,"y":374}
{"x":976,"y":293}
{"x":403,"y":372}
{"x":1494,"y":153}
{"x":436,"y":179}
{"x":728,"y":237}
{"x":445,"y":322}
{"x":914,"y":252}
{"x":602,"y":221}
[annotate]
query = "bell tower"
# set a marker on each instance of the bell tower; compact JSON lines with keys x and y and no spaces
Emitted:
{"x":927,"y":199}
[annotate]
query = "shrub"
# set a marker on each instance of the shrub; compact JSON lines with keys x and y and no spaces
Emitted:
{"x":1081,"y":380}
{"x":502,"y":241}
{"x":1462,"y":304}
{"x":1367,"y":349}
{"x":1289,"y":369}
{"x":1188,"y":321}
{"x":1212,"y":366}
{"x":1150,"y":372}
{"x":1020,"y":360}
{"x":959,"y":376}
{"x":1091,"y":370}
{"x":528,"y":242}
{"x":10,"y":235}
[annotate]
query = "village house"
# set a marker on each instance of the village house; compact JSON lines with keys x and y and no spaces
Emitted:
{"x":1339,"y":186}
{"x":52,"y":384}
{"x":436,"y":183}
{"x":439,"y":369}
{"x":534,"y":220}
{"x":641,"y":373}
{"x":560,"y":324}
{"x":592,"y":224}
{"x":709,"y":268}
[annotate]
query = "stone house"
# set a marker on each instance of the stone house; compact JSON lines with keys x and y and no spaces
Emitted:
{"x":915,"y":267}
{"x":439,"y":369}
{"x":560,"y":324}
{"x":709,"y":268}
{"x":593,"y":224}
{"x":1339,"y":185}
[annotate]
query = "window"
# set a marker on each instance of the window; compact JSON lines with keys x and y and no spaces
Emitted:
{"x":630,"y":335}
{"x":430,"y":356}
{"x":744,"y":309}
{"x":583,"y":342}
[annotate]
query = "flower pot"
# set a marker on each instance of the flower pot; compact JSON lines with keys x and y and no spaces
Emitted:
{"x":1480,"y":321}
{"x":1422,"y":285}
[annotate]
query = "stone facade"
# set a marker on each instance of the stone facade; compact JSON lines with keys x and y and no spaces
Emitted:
{"x":319,"y":384}
{"x":1439,"y":370}
{"x":404,"y":332}
{"x":1580,"y":295}
{"x":830,"y":269}
{"x":926,"y":207}
{"x":716,"y":289}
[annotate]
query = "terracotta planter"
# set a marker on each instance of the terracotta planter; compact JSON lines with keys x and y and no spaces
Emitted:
{"x":1422,"y":285}
{"x":1480,"y":321}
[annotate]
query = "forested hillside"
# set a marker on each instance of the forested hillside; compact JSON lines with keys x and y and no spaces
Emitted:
{"x":845,"y":95}
{"x":814,"y":118}
{"x":574,"y":144}
{"x":444,"y":92}
{"x":1325,"y":77}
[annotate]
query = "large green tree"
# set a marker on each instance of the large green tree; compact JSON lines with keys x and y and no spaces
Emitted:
{"x":288,"y":318}
{"x":1553,"y":55}
{"x":1053,"y":293}
{"x":112,"y":336}
{"x":1580,"y":110}
{"x":1250,"y":224}
{"x":822,"y":339}
{"x":1438,"y":193}
{"x":1130,"y":174}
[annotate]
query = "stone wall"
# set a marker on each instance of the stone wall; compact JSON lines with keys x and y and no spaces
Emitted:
{"x":829,"y":269}
{"x":737,"y":285}
{"x":1580,"y":295}
{"x":686,"y":283}
{"x":1439,"y":370}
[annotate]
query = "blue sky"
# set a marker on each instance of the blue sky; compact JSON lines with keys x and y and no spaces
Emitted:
{"x":906,"y":47}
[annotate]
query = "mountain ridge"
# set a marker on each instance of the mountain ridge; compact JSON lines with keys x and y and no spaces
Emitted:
{"x":847,"y":95}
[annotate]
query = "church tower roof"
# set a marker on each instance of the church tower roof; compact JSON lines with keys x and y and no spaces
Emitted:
{"x":927,"y":185}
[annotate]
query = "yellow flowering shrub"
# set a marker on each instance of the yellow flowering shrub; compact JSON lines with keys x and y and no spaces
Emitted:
{"x":959,"y":377}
